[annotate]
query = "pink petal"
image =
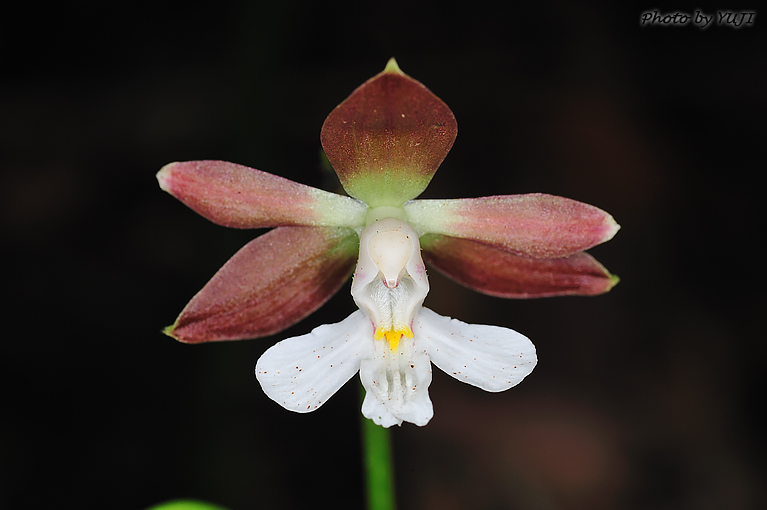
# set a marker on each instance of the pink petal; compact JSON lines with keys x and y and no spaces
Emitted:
{"x":273,"y":282}
{"x":500,"y":273}
{"x":241,"y":197}
{"x":536,"y":225}
{"x":388,"y":138}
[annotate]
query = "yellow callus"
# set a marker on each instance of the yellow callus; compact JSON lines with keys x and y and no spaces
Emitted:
{"x":393,"y":335}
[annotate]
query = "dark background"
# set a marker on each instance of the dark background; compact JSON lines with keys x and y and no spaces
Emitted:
{"x":649,"y":397}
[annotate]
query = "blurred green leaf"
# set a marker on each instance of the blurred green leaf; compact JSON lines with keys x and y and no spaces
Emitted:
{"x":186,"y":504}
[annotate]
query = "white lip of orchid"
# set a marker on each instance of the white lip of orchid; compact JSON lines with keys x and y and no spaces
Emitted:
{"x":390,"y":281}
{"x":301,"y":373}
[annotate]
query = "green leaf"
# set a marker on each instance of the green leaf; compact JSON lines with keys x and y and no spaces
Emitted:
{"x":186,"y":504}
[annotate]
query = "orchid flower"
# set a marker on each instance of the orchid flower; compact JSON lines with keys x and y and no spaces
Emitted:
{"x":385,"y":142}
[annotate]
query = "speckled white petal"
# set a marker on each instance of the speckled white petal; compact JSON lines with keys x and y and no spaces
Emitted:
{"x":303,"y":372}
{"x":489,"y":357}
{"x":397,"y":385}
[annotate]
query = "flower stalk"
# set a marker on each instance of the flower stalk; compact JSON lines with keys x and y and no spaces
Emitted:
{"x":379,"y":467}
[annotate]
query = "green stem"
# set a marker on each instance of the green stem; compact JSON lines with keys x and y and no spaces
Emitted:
{"x":376,"y":448}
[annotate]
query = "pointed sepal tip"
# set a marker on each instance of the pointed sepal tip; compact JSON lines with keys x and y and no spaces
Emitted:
{"x":392,"y":67}
{"x":168,"y":330}
{"x":612,"y":228}
{"x":163,"y":177}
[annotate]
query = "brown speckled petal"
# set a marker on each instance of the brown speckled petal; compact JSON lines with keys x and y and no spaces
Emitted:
{"x":497,"y":272}
{"x":237,"y":196}
{"x":387,"y":139}
{"x":270,"y":284}
{"x":536,"y":225}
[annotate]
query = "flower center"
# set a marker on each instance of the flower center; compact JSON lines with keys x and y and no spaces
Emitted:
{"x":390,"y":281}
{"x":390,"y":251}
{"x":384,"y":212}
{"x":391,"y":303}
{"x":393,"y":335}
